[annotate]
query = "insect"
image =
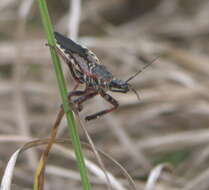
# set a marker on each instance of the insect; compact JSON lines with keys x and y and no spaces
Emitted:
{"x":86,"y":69}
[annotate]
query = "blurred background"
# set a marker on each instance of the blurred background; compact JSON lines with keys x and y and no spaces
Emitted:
{"x":168,"y":125}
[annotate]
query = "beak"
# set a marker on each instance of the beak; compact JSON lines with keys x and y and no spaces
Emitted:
{"x":135,"y":92}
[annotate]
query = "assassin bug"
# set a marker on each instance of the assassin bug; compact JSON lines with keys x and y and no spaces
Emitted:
{"x":86,"y":69}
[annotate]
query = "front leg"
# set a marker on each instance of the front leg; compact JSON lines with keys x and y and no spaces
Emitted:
{"x":75,"y":102}
{"x":83,"y":98}
{"x":84,"y":95}
{"x":109,"y":99}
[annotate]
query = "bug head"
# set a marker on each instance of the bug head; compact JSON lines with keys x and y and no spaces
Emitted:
{"x":128,"y":86}
{"x":124,"y":86}
{"x":117,"y":85}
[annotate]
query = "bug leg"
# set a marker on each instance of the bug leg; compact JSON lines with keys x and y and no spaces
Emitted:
{"x":109,"y":99}
{"x":76,"y":93}
{"x":84,"y":95}
{"x":51,"y":46}
{"x":83,"y":98}
{"x":59,"y":52}
{"x":76,"y":86}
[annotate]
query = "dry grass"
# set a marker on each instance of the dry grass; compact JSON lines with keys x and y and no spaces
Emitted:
{"x":169,"y":124}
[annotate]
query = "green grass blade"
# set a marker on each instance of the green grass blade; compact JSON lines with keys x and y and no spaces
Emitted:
{"x":63,"y":91}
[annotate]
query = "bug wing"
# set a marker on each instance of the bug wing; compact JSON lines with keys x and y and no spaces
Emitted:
{"x":68,"y":45}
{"x":82,"y":57}
{"x":72,"y":48}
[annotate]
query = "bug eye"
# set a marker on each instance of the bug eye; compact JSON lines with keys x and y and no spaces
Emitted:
{"x":114,"y":84}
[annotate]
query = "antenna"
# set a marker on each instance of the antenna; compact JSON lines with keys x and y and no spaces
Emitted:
{"x":140,"y":70}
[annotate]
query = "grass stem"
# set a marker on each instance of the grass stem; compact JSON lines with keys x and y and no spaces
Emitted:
{"x":63,"y":92}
